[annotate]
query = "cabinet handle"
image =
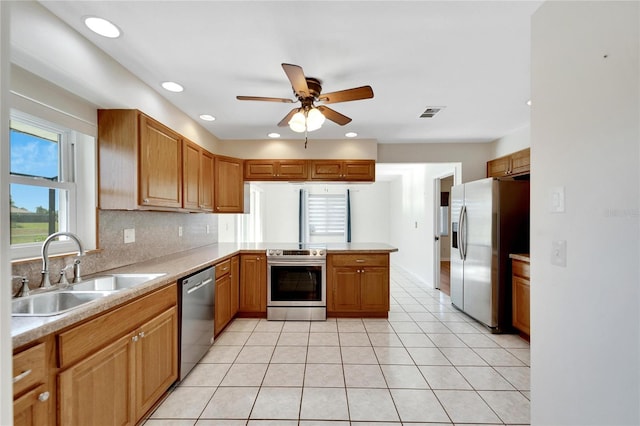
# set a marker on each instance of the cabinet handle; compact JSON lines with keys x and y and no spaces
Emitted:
{"x":146,"y":201}
{"x":134,"y":338}
{"x":43,"y":396}
{"x":141,"y":334}
{"x":360,"y":260}
{"x":21,"y":376}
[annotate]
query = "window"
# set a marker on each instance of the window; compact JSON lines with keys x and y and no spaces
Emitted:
{"x":327,"y":214}
{"x":324,"y":217}
{"x":44,"y":188}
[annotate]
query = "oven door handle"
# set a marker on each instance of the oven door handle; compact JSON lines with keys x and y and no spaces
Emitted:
{"x":297,"y":263}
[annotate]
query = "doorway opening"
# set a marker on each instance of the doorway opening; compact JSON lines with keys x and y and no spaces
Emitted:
{"x":442,"y":249}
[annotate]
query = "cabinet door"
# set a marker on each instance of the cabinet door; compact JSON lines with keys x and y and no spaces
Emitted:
{"x":31,"y":409}
{"x":359,"y":170}
{"x":374,"y":289}
{"x":222,"y":302}
{"x":260,"y":169}
{"x":253,"y":284}
{"x":228,"y":185}
{"x":190,"y":175}
{"x":498,"y":167}
{"x":156,"y":351}
{"x":292,"y":170}
{"x":326,"y":170}
{"x":206,"y":181}
{"x":521,"y":311}
{"x":160,"y":165}
{"x":235,"y":285}
{"x":521,"y":162}
{"x":98,"y":390}
{"x":346,"y":289}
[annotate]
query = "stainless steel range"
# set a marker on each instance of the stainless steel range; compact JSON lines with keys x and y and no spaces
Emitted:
{"x":297,"y":284}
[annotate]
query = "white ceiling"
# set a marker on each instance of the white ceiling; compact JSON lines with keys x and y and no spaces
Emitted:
{"x":470,"y":57}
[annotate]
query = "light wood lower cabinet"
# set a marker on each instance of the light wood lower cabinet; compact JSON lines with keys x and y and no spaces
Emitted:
{"x":253,"y":284}
{"x":520,"y":288}
{"x":31,"y":392}
{"x":358,"y":284}
{"x":115,"y":377}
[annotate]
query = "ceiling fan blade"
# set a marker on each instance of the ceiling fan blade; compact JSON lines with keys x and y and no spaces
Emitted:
{"x":260,"y":98}
{"x":285,"y":121}
{"x":334,"y":116}
{"x":297,"y":79}
{"x":357,"y":93}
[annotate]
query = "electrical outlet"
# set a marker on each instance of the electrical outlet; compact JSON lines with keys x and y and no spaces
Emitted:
{"x":129,"y":236}
{"x":179,"y":231}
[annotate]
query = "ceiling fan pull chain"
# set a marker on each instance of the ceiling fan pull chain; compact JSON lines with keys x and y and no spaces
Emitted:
{"x":306,"y":139}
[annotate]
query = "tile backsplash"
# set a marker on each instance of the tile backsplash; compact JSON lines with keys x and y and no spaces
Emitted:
{"x":156,"y":234}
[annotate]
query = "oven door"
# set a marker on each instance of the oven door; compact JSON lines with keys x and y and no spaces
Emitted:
{"x":296,"y":283}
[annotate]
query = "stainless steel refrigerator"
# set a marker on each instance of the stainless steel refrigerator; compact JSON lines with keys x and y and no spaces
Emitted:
{"x":489,"y":220}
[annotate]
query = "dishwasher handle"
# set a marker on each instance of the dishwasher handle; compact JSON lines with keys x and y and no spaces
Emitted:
{"x":199,"y":286}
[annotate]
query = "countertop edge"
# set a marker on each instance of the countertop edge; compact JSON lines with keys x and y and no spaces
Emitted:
{"x":524,"y":257}
{"x":175,"y":266}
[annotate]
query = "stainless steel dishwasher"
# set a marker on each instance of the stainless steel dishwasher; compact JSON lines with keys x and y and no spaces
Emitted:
{"x":196,"y":317}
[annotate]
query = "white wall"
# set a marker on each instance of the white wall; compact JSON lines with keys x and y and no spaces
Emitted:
{"x":585,"y":322}
{"x":363,"y":149}
{"x":77,"y":65}
{"x":472,"y":156}
{"x":515,"y":141}
{"x":6,"y":393}
{"x":412,"y":217}
{"x":369,"y":210}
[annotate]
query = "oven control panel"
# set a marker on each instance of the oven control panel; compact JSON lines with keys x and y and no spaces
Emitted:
{"x":297,"y":253}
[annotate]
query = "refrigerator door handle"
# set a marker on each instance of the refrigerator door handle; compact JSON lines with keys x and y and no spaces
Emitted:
{"x":463,"y":233}
{"x":460,"y":247}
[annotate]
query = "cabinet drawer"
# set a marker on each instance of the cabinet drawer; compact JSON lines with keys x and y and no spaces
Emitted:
{"x":520,"y":269}
{"x":82,"y":340}
{"x":360,"y":260}
{"x":29,"y":368}
{"x":223,"y":268}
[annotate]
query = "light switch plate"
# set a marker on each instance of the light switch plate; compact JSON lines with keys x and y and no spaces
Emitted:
{"x":179,"y":231}
{"x":129,"y":236}
{"x":556,"y":202}
{"x":559,"y":253}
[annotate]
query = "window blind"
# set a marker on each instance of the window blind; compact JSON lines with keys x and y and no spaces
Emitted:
{"x":327,"y":214}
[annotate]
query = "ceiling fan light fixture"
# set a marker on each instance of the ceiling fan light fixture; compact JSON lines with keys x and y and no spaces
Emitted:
{"x":315,"y":119}
{"x":298,"y":122}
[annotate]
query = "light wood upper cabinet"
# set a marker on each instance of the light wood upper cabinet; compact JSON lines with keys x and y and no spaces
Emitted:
{"x":516,"y":164}
{"x":286,"y":170}
{"x":343,"y":170}
{"x":197,"y":177}
{"x":140,"y":162}
{"x":228,"y":185}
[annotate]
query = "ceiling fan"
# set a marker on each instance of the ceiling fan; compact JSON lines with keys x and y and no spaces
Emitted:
{"x":308,"y":91}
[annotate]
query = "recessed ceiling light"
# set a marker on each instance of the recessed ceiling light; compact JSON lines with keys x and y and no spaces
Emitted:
{"x":102,"y":26}
{"x":351,"y":134}
{"x":207,"y":117}
{"x":172,"y":87}
{"x":529,"y":102}
{"x":274,"y":135}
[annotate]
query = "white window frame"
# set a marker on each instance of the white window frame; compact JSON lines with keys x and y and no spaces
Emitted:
{"x":76,"y":184}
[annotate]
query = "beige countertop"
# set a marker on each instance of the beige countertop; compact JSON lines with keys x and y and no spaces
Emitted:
{"x":520,"y":256}
{"x":175,"y":266}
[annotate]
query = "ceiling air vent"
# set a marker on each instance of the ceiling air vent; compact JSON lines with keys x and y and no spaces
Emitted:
{"x":430,"y":112}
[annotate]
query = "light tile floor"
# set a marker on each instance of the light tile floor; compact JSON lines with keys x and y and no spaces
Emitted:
{"x":428,"y":363}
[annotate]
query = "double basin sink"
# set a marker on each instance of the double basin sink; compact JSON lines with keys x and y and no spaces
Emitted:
{"x":60,"y":301}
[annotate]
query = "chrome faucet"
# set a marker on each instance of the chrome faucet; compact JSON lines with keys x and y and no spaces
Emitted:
{"x":45,"y":257}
